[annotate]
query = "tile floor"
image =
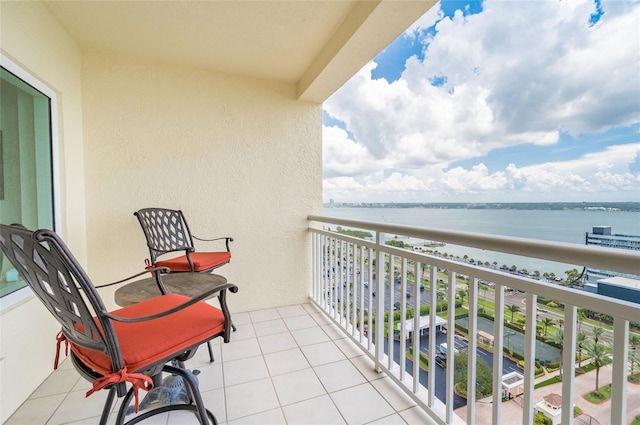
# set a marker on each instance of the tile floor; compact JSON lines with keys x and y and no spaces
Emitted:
{"x":287,"y":365}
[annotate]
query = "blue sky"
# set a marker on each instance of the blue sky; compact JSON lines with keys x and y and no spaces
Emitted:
{"x":494,"y":101}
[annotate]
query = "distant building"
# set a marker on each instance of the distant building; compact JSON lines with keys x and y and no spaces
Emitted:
{"x":620,"y":287}
{"x":551,"y":407}
{"x":602,"y":236}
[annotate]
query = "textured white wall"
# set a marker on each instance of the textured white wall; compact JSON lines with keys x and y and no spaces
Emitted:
{"x":33,"y":40}
{"x":241,"y":157}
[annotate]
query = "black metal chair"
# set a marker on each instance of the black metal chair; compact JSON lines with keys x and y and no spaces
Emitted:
{"x":167,"y":232}
{"x":134,"y":344}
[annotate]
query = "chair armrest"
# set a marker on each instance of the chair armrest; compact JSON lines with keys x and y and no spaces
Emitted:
{"x":163,"y":270}
{"x":227,"y":239}
{"x":219,"y":289}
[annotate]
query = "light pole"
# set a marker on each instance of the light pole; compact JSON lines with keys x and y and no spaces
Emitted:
{"x":508,"y":335}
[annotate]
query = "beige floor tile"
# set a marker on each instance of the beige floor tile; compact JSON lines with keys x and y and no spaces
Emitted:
{"x":300,"y":322}
{"x":339,"y":375}
{"x":36,"y":411}
{"x":286,"y":361}
{"x":250,"y":398}
{"x":60,"y":381}
{"x":416,"y":415}
{"x":244,"y":370}
{"x":277,"y":342}
{"x":395,"y":396}
{"x":315,"y":411}
{"x":297,"y":386}
{"x":292,"y":310}
{"x":309,"y":336}
{"x":394,"y":419}
{"x":271,"y":417}
{"x":322,"y":353}
{"x":77,"y":407}
{"x":211,"y":377}
{"x":216,"y":403}
{"x":270,"y":327}
{"x":242,"y":349}
{"x":264,"y":315}
{"x":361,"y":404}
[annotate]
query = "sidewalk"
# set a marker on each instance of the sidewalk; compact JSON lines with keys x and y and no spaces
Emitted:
{"x":583,"y":384}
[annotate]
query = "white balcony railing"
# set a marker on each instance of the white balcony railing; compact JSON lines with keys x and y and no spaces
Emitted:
{"x":347,"y":287}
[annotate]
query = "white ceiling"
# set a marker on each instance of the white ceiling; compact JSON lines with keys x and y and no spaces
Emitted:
{"x":316,"y":45}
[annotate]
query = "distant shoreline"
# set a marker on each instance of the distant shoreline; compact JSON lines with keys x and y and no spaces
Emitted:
{"x":557,"y":206}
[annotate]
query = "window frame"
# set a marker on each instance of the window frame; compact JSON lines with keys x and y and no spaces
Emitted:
{"x":16,"y":298}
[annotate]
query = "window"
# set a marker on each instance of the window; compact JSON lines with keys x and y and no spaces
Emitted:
{"x":26,"y":170}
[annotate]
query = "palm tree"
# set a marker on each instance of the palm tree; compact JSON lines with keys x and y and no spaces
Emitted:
{"x":582,"y":315}
{"x":546,"y":323}
{"x":558,"y":339}
{"x":462,"y":294}
{"x":599,"y":355}
{"x":513,"y":308}
{"x":634,"y":358}
{"x":597,"y":333}
{"x":581,"y":338}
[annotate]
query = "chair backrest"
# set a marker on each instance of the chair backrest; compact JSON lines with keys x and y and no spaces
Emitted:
{"x":165,"y":230}
{"x":54,"y":275}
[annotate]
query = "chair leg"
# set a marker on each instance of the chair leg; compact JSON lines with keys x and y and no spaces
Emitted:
{"x":211,"y":359}
{"x":194,"y":392}
{"x":107,"y":406}
{"x":196,"y":404}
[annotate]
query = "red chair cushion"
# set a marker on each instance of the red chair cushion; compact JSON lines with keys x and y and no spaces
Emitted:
{"x":144,"y":343}
{"x":201,"y":261}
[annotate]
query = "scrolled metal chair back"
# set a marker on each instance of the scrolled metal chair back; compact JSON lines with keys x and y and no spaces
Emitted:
{"x":165,"y":230}
{"x":54,"y":275}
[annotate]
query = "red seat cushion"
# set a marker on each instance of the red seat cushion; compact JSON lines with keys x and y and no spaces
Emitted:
{"x":144,"y":343}
{"x":201,"y":261}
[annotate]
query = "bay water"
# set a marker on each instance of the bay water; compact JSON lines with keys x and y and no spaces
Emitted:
{"x":568,"y":226}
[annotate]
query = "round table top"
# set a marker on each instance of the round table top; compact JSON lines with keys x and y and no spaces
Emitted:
{"x":188,"y":284}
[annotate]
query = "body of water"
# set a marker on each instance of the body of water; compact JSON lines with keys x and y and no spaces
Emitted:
{"x":568,"y":226}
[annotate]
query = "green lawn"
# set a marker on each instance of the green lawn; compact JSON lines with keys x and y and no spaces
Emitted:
{"x":605,"y":394}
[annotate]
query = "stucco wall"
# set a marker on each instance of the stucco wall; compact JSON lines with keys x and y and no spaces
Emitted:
{"x":241,"y":157}
{"x":34,"y":41}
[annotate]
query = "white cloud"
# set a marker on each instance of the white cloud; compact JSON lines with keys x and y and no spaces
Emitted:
{"x":507,"y":79}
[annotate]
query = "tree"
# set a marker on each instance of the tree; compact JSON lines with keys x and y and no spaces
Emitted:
{"x":599,"y":356}
{"x":513,"y":308}
{"x":462,"y":294}
{"x":597,"y":333}
{"x":582,"y":315}
{"x":546,"y":323}
{"x":484,"y":375}
{"x":572,"y":276}
{"x":557,"y":338}
{"x":634,"y":355}
{"x":581,"y":338}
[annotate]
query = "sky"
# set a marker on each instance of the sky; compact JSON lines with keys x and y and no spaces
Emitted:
{"x":494,"y":101}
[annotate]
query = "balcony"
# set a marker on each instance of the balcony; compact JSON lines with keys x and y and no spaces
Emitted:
{"x":284,"y":365}
{"x":320,"y":363}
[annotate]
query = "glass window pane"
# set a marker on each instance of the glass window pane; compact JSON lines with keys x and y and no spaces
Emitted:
{"x":26,"y":187}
